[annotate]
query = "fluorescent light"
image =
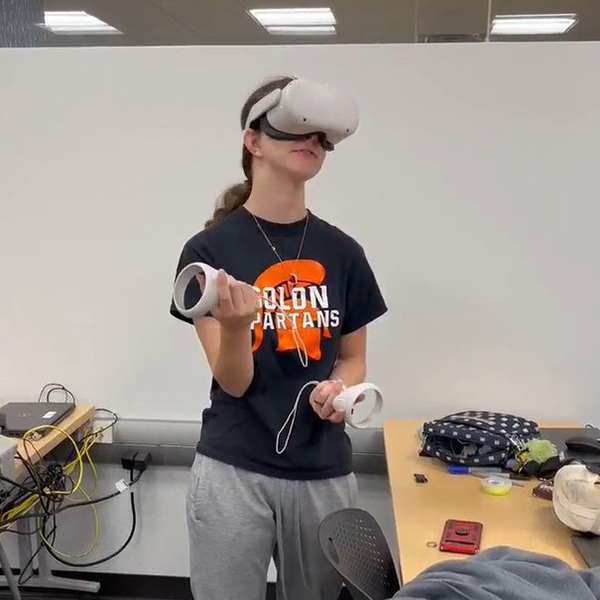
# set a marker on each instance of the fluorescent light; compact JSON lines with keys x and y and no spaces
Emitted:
{"x":269,"y":17}
{"x":295,"y":21}
{"x":533,"y":24}
{"x":301,"y":30}
{"x":76,"y":22}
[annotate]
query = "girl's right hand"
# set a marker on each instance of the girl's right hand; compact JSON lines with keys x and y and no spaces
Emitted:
{"x":238,"y":303}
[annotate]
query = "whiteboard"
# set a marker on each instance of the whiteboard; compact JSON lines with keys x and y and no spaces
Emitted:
{"x":472,"y":184}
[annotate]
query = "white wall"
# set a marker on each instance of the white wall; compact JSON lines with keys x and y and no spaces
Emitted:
{"x":475,"y":165}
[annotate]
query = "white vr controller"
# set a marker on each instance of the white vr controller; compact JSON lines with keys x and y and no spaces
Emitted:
{"x":209,"y":296}
{"x":350,"y":396}
{"x":208,"y":300}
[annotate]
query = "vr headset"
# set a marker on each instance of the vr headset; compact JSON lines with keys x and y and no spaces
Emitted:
{"x":304,"y":108}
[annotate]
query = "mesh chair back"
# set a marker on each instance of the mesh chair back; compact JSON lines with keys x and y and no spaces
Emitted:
{"x":356,"y":547}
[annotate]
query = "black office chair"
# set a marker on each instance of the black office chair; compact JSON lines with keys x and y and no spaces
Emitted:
{"x":355,"y":546}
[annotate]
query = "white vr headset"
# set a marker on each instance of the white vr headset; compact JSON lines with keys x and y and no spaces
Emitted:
{"x":305,"y":108}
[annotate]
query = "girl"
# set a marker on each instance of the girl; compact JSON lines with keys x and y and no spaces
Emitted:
{"x":255,"y":494}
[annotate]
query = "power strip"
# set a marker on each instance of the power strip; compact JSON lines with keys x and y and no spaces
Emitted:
{"x":102,"y":429}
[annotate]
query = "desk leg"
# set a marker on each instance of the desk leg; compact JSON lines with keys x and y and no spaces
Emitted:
{"x":28,"y":546}
{"x":10,"y":579}
{"x":46,"y":579}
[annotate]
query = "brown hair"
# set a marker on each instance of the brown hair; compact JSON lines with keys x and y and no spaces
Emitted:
{"x":235,"y":196}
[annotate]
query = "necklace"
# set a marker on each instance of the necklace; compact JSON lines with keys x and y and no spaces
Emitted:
{"x":293,"y":279}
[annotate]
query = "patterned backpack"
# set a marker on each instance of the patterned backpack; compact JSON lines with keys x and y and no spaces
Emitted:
{"x":477,"y":438}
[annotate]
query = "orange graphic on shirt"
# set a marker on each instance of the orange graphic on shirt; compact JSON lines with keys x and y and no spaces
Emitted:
{"x":296,"y":287}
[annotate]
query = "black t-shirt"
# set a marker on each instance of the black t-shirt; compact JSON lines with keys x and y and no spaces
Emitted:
{"x":336,"y":294}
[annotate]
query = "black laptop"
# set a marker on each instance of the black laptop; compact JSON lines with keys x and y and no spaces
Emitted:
{"x":19,"y":417}
{"x":560,"y":435}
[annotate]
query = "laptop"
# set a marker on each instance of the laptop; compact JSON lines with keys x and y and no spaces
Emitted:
{"x":20,"y":417}
{"x":560,"y":435}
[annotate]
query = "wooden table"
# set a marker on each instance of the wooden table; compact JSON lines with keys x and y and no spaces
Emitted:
{"x":519,"y":520}
{"x":37,"y":450}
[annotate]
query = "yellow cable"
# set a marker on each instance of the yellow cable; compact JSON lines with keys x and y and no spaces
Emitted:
{"x":92,"y":466}
{"x":85,"y":452}
{"x":27,"y":504}
{"x":20,"y":508}
{"x":96,"y":534}
{"x":79,"y":459}
{"x":30,"y":502}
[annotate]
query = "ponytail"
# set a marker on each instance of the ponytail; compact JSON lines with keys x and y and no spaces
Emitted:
{"x":232,"y":199}
{"x":236,"y":196}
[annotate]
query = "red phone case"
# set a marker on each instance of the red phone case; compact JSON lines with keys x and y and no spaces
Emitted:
{"x":461,"y":537}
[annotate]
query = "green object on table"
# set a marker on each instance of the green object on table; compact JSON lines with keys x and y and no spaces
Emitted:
{"x":538,"y":451}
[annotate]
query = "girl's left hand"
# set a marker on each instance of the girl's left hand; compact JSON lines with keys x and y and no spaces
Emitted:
{"x":321,"y":400}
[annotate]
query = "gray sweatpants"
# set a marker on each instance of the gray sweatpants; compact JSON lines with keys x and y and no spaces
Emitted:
{"x":238,"y":520}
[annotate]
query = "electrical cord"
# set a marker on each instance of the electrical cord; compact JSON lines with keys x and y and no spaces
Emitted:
{"x":34,"y":477}
{"x":76,"y":504}
{"x":99,"y":561}
{"x":50,"y":482}
{"x":101,"y":499}
{"x":75,"y":447}
{"x":55,"y":476}
{"x":28,"y":565}
{"x":19,"y":485}
{"x":21,"y":533}
{"x":96,"y":432}
{"x":92,"y":435}
{"x":112,"y":414}
{"x":64,"y":555}
{"x":31,"y":500}
{"x":49,"y":486}
{"x":51,"y":388}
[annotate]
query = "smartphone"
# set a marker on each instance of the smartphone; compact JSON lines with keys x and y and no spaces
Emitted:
{"x":461,"y":537}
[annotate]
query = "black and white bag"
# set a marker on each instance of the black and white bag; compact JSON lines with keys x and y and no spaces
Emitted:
{"x":477,"y":438}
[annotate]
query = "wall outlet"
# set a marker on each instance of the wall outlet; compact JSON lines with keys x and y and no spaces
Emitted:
{"x":102,"y":434}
